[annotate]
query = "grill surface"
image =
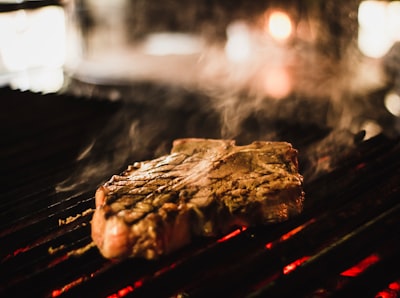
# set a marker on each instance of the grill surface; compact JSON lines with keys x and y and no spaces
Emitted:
{"x":345,"y":242}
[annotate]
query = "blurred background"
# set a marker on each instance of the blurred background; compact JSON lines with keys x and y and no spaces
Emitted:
{"x":328,"y":64}
{"x":272,"y":47}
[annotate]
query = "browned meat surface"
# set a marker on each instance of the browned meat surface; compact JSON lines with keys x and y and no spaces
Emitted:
{"x":202,"y":188}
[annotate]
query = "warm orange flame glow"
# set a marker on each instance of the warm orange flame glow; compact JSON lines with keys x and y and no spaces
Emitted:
{"x":126,"y":290}
{"x":232,"y":234}
{"x":58,"y":260}
{"x":361,"y":266}
{"x":269,"y":245}
{"x":17,"y":252}
{"x":279,"y":25}
{"x":289,"y":234}
{"x":392,"y":291}
{"x":139,"y":283}
{"x":395,"y":286}
{"x":292,"y":266}
{"x":165,"y":269}
{"x":386,"y":294}
{"x":58,"y":292}
{"x":121,"y":293}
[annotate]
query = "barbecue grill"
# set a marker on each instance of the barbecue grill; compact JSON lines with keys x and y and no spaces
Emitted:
{"x":58,"y":147}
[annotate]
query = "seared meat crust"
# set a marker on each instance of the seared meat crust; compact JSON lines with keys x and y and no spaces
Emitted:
{"x":203,"y":187}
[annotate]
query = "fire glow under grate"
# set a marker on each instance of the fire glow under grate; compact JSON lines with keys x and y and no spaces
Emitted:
{"x":345,"y":241}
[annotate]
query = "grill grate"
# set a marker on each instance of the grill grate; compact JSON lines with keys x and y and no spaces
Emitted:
{"x":352,"y":216}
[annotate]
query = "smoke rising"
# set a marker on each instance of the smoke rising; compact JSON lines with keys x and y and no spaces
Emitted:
{"x":307,"y":90}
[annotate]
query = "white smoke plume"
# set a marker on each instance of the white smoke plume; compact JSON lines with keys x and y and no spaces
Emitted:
{"x":306,"y":90}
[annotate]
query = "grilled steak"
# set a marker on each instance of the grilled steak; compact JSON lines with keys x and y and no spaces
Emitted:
{"x":202,"y":188}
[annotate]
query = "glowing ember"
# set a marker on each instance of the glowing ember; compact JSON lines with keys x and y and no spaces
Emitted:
{"x":386,"y":294}
{"x":126,"y":290}
{"x":361,"y":266}
{"x":58,"y":260}
{"x":138,"y":283}
{"x":292,"y":266}
{"x":392,"y":291}
{"x":165,"y":269}
{"x":269,"y":245}
{"x":58,"y":292}
{"x":395,"y":286}
{"x":232,"y":234}
{"x":289,"y":234}
{"x":20,"y":250}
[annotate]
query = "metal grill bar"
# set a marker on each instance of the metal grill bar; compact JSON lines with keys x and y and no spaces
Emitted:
{"x":46,"y":249}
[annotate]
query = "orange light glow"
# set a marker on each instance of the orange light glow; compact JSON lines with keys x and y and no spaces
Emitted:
{"x":292,"y":232}
{"x":395,"y":286}
{"x":289,"y":234}
{"x":17,"y":252}
{"x":165,"y":269}
{"x":361,"y":266}
{"x":386,"y":294}
{"x":138,"y":283}
{"x":277,"y":82}
{"x":126,"y":290}
{"x":279,"y":25}
{"x":232,"y":234}
{"x":292,"y":266}
{"x":58,"y":260}
{"x":392,"y":291}
{"x":58,"y":292}
{"x":269,"y":245}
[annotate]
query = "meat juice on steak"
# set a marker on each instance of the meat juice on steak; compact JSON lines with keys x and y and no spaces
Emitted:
{"x":204,"y":187}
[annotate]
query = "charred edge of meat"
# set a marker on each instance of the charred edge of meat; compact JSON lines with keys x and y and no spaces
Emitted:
{"x":203,"y":188}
